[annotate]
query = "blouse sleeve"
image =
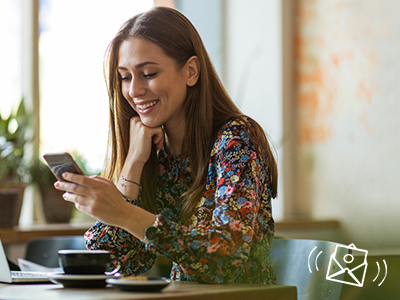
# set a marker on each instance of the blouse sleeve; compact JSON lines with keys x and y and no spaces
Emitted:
{"x":123,"y":246}
{"x":217,"y":245}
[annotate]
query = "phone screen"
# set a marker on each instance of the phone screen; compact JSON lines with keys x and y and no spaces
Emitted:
{"x":60,"y":163}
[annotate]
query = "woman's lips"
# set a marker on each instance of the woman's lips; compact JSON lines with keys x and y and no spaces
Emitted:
{"x":146,"y":107}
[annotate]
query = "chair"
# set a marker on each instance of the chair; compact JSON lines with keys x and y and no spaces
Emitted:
{"x":304,"y":264}
{"x":44,"y":251}
{"x":381,"y":280}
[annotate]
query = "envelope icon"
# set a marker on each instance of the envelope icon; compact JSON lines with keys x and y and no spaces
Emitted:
{"x":346,"y":264}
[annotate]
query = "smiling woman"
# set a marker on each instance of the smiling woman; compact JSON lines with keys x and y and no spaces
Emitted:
{"x":188,"y":176}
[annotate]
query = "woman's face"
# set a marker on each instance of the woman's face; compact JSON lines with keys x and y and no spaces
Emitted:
{"x":152,"y":83}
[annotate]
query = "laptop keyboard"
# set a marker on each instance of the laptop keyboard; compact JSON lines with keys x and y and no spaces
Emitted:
{"x":19,"y":274}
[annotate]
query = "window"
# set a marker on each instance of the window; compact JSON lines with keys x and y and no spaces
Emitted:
{"x":10,"y":53}
{"x":74,"y":103}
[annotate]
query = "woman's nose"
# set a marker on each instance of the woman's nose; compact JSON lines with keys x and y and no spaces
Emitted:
{"x":136,"y":88}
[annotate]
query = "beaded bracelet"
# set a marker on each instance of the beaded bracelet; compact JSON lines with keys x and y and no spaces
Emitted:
{"x":123,"y":184}
{"x":129,"y":200}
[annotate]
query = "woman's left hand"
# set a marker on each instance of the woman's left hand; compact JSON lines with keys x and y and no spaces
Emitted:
{"x":94,"y":195}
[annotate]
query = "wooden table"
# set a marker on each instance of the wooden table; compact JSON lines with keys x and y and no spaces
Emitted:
{"x":176,"y":290}
{"x":26,"y":233}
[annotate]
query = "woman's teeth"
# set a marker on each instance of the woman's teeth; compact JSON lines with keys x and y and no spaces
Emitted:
{"x":147,"y":105}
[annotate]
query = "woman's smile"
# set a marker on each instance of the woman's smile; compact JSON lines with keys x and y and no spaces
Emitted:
{"x":145,"y":108}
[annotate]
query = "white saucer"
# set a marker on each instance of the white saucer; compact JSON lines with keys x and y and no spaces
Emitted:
{"x":80,"y":280}
{"x":150,"y":285}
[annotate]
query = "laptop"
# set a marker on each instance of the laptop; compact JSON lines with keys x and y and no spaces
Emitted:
{"x":8,"y":276}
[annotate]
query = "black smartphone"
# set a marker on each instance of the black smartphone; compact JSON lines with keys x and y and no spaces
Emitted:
{"x":60,"y":163}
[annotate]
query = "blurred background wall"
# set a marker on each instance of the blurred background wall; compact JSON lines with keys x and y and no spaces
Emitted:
{"x":347,"y":94}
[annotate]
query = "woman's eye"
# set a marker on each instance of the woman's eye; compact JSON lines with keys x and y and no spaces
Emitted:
{"x":149,"y":75}
{"x":125,"y":78}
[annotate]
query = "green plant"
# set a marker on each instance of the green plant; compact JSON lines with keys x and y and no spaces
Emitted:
{"x":15,"y":133}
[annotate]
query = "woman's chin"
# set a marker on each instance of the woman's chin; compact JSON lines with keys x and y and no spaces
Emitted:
{"x":151,"y":123}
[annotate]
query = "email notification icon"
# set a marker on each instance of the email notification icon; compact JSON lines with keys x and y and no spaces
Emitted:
{"x":346,"y":264}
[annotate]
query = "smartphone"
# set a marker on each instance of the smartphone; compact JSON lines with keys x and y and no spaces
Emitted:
{"x":60,"y":163}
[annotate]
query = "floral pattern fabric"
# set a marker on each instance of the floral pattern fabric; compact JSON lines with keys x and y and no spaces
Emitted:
{"x":228,"y":238}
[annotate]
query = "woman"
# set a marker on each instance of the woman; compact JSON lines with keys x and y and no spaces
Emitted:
{"x":189,"y":177}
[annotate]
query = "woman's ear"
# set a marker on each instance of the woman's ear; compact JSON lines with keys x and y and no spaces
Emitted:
{"x":193,"y":69}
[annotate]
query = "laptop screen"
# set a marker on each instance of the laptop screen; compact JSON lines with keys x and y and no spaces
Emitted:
{"x":5,"y":272}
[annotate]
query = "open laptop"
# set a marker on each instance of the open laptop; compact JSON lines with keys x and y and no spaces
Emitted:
{"x":8,"y":276}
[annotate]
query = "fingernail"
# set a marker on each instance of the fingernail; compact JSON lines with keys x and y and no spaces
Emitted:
{"x":65,"y":175}
{"x":56,"y":184}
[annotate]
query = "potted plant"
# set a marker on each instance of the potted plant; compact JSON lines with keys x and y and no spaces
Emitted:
{"x":15,"y":133}
{"x":55,"y":208}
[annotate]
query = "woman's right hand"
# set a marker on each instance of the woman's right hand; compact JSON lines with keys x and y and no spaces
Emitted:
{"x":140,"y":141}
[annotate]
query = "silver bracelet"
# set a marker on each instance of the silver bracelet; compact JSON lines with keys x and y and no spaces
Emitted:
{"x":129,"y":183}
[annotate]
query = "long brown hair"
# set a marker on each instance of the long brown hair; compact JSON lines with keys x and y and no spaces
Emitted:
{"x":208,"y":106}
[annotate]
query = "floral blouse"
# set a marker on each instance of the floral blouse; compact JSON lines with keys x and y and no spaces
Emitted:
{"x":228,"y":238}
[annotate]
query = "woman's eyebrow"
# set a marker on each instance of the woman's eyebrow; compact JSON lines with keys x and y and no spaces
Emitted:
{"x":138,"y":66}
{"x":141,"y":65}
